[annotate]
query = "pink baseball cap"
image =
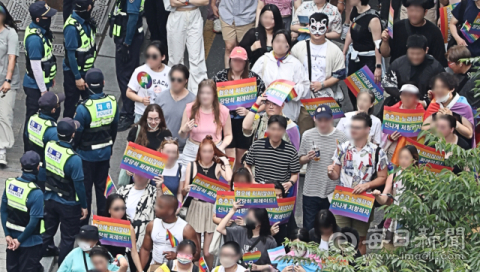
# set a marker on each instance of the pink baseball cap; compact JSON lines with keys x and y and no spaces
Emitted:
{"x":239,"y":53}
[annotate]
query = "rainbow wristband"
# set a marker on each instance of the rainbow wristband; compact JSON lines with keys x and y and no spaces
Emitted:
{"x":254,"y":108}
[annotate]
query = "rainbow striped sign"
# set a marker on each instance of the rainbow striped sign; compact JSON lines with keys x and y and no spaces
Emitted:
{"x":407,"y":122}
{"x":251,"y":257}
{"x":224,"y":204}
{"x":206,"y":188}
{"x":280,"y":91}
{"x":445,"y":18}
{"x":114,"y":232}
{"x":283,"y":212}
{"x":256,"y":195}
{"x":390,"y":21}
{"x":356,"y":206}
{"x":363,"y":80}
{"x":231,"y":161}
{"x":237,"y":93}
{"x":304,"y":29}
{"x":312,"y":104}
{"x":437,"y":169}
{"x":143,"y":161}
{"x":427,"y":154}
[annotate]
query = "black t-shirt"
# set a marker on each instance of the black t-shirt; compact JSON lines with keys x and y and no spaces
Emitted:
{"x":155,"y":138}
{"x":466,"y":86}
{"x":362,"y":39}
{"x":398,"y":45}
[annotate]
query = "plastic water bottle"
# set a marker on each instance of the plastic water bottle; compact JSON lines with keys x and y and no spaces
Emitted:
{"x":317,"y":152}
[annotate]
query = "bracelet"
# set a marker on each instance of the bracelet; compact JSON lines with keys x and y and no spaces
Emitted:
{"x":119,"y":256}
{"x":293,"y":183}
{"x":254,"y":108}
{"x":389,"y":137}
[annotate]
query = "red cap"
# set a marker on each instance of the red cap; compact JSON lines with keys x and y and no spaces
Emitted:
{"x":239,"y":53}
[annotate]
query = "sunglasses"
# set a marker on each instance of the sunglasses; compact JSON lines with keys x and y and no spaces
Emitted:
{"x":116,"y":209}
{"x":152,"y":56}
{"x":177,"y":79}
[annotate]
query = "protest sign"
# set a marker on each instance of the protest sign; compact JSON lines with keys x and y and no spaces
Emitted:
{"x":114,"y":232}
{"x":237,"y":93}
{"x":231,"y":161}
{"x":445,"y":18}
{"x":206,"y":188}
{"x":143,"y":161}
{"x":356,"y":206}
{"x":407,"y":122}
{"x":468,"y":33}
{"x":282,"y":213}
{"x":437,"y":169}
{"x":390,"y":21}
{"x":312,"y":104}
{"x":363,"y":80}
{"x":275,"y":253}
{"x":280,"y":91}
{"x":224,"y":204}
{"x":256,"y":195}
{"x":428,"y":154}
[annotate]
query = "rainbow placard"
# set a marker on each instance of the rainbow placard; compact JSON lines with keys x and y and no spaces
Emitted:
{"x":206,"y":188}
{"x":237,"y":93}
{"x":231,"y":161}
{"x":356,"y":206}
{"x":114,"y":232}
{"x":363,"y":80}
{"x":224,"y":203}
{"x":427,"y":154}
{"x":445,"y":17}
{"x":282,"y":213}
{"x":390,"y":21}
{"x":256,"y":195}
{"x":143,"y":161}
{"x":467,"y":33}
{"x":312,"y":104}
{"x":251,"y":257}
{"x":407,"y":122}
{"x":437,"y":169}
{"x":280,"y":91}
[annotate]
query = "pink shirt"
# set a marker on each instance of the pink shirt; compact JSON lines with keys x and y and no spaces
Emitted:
{"x":285,"y":6}
{"x":205,"y":123}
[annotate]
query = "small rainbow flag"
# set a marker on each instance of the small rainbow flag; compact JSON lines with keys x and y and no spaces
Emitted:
{"x":390,"y":21}
{"x":304,"y":29}
{"x":172,"y":239}
{"x":252,"y":257}
{"x":445,"y":18}
{"x":202,"y":265}
{"x":363,"y":80}
{"x":109,"y":186}
{"x":292,"y":95}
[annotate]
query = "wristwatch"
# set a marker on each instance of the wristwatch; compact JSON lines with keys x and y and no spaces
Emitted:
{"x":8,"y":80}
{"x":379,"y":66}
{"x":293,"y":183}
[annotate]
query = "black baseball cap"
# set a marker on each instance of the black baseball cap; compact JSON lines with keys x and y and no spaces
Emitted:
{"x":41,"y":9}
{"x":30,"y":161}
{"x":323,"y":111}
{"x":50,"y":100}
{"x":88,"y":232}
{"x":67,"y":126}
{"x":94,"y":79}
{"x":82,"y":5}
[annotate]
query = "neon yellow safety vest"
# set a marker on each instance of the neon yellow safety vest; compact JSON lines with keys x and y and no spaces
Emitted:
{"x":17,"y":193}
{"x":87,"y":49}
{"x":97,"y":134}
{"x":56,"y":156}
{"x":49,"y":62}
{"x":36,"y":129}
{"x":120,"y":18}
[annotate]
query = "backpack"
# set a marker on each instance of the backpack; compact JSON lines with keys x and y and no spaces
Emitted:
{"x":383,"y":22}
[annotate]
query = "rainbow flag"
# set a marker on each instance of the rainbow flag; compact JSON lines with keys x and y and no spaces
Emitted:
{"x":407,"y":122}
{"x":114,"y":232}
{"x":356,"y":206}
{"x":252,"y":257}
{"x":231,"y":161}
{"x":437,"y":169}
{"x":363,"y":80}
{"x":390,"y":21}
{"x":143,"y":161}
{"x":202,"y":265}
{"x":109,"y":186}
{"x":172,"y":239}
{"x":312,"y":104}
{"x":304,"y":29}
{"x":445,"y":17}
{"x":237,"y":93}
{"x":281,"y":91}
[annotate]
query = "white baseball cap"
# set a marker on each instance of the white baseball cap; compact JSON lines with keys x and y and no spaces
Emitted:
{"x":409,"y":88}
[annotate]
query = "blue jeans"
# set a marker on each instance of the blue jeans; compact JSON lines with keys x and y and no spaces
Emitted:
{"x":311,"y":206}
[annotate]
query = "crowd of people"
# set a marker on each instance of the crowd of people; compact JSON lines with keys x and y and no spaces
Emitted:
{"x":175,"y":110}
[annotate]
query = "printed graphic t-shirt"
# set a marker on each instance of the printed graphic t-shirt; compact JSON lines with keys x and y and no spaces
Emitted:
{"x":146,"y":82}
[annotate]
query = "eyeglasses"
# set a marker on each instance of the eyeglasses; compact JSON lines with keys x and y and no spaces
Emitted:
{"x":153,"y":119}
{"x":152,"y":56}
{"x":170,"y":138}
{"x":116,"y":209}
{"x":177,"y":79}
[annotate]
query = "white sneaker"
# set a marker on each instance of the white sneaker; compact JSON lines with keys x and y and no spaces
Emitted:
{"x":345,"y":31}
{"x":217,"y":26}
{"x":3,"y":159}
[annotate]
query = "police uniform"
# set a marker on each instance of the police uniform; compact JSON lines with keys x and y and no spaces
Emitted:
{"x":98,"y":118}
{"x":64,"y":190}
{"x":126,"y":28}
{"x":22,"y":217}
{"x":80,"y":52}
{"x":38,"y":48}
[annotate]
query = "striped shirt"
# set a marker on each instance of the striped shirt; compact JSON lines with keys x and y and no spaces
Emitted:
{"x":317,"y":183}
{"x":273,"y":163}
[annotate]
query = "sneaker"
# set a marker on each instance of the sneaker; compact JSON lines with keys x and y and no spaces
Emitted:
{"x":125,"y":123}
{"x":3,"y":159}
{"x":345,"y":29}
{"x":51,"y":252}
{"x":217,"y":26}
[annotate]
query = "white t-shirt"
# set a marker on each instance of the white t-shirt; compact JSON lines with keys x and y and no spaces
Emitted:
{"x":172,"y":172}
{"x":319,"y":65}
{"x":323,"y":245}
{"x":375,"y":131}
{"x":239,"y":269}
{"x":146,"y":82}
{"x":132,"y":201}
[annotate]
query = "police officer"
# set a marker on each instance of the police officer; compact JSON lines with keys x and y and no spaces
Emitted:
{"x":126,"y":27}
{"x":40,"y":61}
{"x":65,"y":199}
{"x":42,"y":128}
{"x":98,"y":118}
{"x":79,"y":33}
{"x":22,"y":217}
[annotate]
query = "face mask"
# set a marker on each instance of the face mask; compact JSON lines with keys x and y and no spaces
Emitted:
{"x":84,"y":14}
{"x":45,"y":23}
{"x":443,"y":99}
{"x":250,"y":224}
{"x":184,"y":258}
{"x":84,"y":246}
{"x":318,"y":28}
{"x":227,"y":262}
{"x":153,"y":128}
